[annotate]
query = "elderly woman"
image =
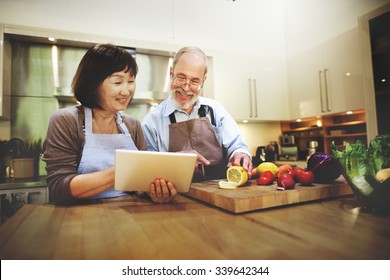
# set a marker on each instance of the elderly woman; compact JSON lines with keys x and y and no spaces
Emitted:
{"x":81,"y":141}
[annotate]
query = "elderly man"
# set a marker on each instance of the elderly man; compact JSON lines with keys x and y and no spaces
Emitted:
{"x":187,"y":122}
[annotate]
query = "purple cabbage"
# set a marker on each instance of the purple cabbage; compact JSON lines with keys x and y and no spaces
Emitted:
{"x":325,"y":168}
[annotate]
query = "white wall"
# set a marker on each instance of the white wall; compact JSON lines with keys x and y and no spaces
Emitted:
{"x":259,"y":134}
{"x":210,"y":24}
{"x":134,"y":19}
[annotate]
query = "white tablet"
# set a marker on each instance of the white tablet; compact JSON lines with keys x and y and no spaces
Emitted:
{"x":135,"y":170}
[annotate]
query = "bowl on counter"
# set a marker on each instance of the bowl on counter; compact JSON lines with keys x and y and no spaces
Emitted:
{"x":369,"y":179}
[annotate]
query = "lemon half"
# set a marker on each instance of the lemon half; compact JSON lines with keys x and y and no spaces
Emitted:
{"x":237,"y":174}
{"x":227,"y":185}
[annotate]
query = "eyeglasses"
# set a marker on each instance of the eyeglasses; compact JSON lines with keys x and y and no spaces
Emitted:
{"x":180,"y":81}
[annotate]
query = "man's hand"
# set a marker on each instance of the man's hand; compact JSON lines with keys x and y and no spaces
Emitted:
{"x":161,"y":191}
{"x":241,"y":159}
{"x":200,"y":159}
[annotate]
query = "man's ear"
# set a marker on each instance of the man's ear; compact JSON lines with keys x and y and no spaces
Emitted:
{"x":171,"y":72}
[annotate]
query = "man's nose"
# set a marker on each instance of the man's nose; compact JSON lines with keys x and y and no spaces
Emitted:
{"x":186,"y":86}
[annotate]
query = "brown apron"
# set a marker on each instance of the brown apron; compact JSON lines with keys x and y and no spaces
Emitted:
{"x":198,"y":134}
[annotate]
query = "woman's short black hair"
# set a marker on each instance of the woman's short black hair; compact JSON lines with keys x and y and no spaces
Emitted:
{"x":98,"y":63}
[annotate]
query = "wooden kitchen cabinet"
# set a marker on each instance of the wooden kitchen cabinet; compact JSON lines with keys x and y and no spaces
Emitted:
{"x":252,"y":87}
{"x":343,"y":128}
{"x":338,"y":127}
{"x":308,"y":129}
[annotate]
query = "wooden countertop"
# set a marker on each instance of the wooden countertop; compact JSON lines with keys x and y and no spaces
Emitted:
{"x":131,"y":228}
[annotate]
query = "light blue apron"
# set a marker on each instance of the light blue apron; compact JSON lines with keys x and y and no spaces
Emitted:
{"x":99,"y":150}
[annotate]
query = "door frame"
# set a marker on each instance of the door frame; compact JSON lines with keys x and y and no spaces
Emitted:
{"x":368,"y":80}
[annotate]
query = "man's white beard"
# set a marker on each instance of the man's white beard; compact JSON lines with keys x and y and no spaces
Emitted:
{"x":189,"y":103}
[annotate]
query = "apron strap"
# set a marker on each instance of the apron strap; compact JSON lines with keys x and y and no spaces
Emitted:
{"x":121,"y":124}
{"x":87,"y":120}
{"x":202,"y":112}
{"x":172,"y":117}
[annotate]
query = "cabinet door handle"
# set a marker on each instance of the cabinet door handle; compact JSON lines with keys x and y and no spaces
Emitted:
{"x":250,"y":98}
{"x":320,"y":79}
{"x":255,"y":95}
{"x":326,"y":91}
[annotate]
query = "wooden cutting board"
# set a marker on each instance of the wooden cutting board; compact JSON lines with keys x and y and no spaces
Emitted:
{"x":253,"y":197}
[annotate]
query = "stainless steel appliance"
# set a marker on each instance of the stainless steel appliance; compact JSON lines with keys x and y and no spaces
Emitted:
{"x":289,"y":153}
{"x":288,"y":148}
{"x":287,"y":140}
{"x":41,"y":83}
{"x":311,"y":148}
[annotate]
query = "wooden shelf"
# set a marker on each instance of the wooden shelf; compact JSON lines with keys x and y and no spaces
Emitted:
{"x":305,"y":129}
{"x":352,"y":127}
{"x":381,"y":50}
{"x":311,"y":136}
{"x":346,"y":135}
{"x":382,"y":92}
{"x":346,"y":124}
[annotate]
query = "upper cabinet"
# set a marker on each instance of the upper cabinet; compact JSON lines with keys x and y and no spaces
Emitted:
{"x":252,"y":88}
{"x":328,"y":78}
{"x":324,"y":57}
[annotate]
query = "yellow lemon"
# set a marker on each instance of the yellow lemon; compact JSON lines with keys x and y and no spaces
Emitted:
{"x":237,"y":174}
{"x":264,"y":166}
{"x":227,"y":185}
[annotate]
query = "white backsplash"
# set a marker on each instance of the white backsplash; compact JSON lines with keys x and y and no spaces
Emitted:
{"x":259,"y":134}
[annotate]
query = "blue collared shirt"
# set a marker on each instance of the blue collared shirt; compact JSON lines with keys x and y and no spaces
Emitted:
{"x":155,"y":126}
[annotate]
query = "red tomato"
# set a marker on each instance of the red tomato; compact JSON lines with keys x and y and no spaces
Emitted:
{"x":285,"y":181}
{"x":263,"y":181}
{"x":266,"y":178}
{"x":296,"y":171}
{"x":306,"y":178}
{"x":268,"y":174}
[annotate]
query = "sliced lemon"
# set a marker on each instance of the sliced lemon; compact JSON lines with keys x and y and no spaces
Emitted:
{"x":267,"y":165}
{"x":237,"y":174}
{"x":227,"y":185}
